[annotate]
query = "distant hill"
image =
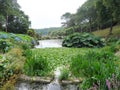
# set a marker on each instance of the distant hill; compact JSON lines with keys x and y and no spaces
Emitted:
{"x":45,"y":31}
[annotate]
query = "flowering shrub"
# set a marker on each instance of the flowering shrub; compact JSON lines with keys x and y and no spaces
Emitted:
{"x":3,"y":36}
{"x":17,"y":39}
{"x":4,"y":46}
{"x":8,"y":40}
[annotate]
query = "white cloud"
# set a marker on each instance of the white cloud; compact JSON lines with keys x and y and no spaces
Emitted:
{"x":47,"y":13}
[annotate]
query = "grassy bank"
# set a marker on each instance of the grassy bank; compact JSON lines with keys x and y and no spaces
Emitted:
{"x":105,"y":32}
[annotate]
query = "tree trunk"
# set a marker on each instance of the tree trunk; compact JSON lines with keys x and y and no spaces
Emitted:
{"x":111,"y":28}
{"x":90,"y":25}
{"x":0,"y":26}
{"x":6,"y":24}
{"x":81,"y":29}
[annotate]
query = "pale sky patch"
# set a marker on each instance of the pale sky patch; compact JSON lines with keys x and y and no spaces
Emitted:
{"x":47,"y":13}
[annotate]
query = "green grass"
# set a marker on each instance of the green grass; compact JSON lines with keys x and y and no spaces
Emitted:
{"x":105,"y":32}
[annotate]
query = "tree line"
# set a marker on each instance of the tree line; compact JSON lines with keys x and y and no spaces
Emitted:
{"x":93,"y":15}
{"x":12,"y":19}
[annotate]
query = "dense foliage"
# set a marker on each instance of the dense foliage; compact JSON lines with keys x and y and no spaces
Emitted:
{"x":82,"y":40}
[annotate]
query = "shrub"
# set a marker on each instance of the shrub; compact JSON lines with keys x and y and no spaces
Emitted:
{"x":35,"y":66}
{"x":11,"y":64}
{"x":15,"y":59}
{"x":82,"y":40}
{"x":31,"y":32}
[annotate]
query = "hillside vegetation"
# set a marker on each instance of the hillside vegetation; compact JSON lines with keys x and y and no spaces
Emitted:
{"x":45,"y":31}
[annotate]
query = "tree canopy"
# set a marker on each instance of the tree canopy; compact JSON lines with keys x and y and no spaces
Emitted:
{"x":12,"y":19}
{"x":94,"y":15}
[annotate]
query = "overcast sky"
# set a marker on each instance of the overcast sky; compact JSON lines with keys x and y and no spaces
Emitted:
{"x":47,"y":13}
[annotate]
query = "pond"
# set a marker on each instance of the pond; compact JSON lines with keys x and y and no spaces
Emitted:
{"x":54,"y":43}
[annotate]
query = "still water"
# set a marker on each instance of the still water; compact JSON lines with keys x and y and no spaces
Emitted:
{"x":49,"y":43}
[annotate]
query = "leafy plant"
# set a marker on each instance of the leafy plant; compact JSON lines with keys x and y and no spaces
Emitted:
{"x":82,"y":40}
{"x":36,"y":66}
{"x":95,"y":67}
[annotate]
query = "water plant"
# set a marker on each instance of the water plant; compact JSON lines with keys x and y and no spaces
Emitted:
{"x":95,"y":67}
{"x":35,"y":65}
